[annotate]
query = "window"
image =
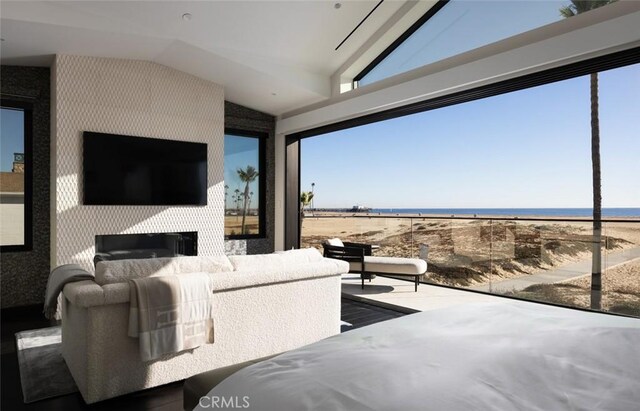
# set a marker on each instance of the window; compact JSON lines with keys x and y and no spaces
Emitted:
{"x":15,"y":176}
{"x":244,"y":181}
{"x":499,"y":188}
{"x":456,"y":26}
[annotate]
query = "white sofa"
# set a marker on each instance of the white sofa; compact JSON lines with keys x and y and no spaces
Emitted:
{"x":264,"y":304}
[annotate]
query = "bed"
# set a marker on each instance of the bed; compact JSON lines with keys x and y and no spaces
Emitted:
{"x":508,"y":355}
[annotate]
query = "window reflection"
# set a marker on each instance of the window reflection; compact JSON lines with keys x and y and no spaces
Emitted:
{"x":242,"y":185}
{"x":12,"y":177}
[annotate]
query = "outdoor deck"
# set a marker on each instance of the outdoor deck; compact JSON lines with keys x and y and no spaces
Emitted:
{"x":398,"y":293}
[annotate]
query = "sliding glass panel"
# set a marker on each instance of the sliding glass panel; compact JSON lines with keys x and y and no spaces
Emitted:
{"x":620,"y":267}
{"x":499,"y":189}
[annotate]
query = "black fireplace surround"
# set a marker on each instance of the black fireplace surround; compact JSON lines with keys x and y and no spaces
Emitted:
{"x":148,"y":245}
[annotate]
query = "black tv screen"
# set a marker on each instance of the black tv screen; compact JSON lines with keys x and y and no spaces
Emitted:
{"x":126,"y":170}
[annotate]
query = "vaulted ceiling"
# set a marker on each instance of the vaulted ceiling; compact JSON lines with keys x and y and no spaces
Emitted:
{"x":273,"y":56}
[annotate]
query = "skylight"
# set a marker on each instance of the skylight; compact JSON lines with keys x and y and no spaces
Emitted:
{"x":460,"y":26}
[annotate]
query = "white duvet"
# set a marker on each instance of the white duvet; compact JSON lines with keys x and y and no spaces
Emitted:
{"x":507,"y":355}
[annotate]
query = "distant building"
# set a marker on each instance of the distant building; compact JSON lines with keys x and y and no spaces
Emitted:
{"x":13,"y":182}
{"x":360,"y":209}
{"x":18,"y":163}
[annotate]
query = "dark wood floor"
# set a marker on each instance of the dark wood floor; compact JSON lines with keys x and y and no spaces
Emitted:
{"x":359,"y":314}
{"x":165,"y":398}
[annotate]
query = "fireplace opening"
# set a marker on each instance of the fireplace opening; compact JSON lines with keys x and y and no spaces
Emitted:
{"x":146,"y":245}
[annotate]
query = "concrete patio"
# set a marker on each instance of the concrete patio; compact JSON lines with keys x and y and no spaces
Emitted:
{"x":399,"y":293}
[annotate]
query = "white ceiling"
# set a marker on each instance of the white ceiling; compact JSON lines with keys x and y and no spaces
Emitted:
{"x":255,"y":49}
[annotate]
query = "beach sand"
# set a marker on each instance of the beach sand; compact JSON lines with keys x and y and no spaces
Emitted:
{"x":233,"y":224}
{"x":468,"y":252}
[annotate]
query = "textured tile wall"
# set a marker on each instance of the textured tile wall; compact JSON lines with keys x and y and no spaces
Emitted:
{"x":23,"y":275}
{"x":243,"y":118}
{"x":141,"y":99}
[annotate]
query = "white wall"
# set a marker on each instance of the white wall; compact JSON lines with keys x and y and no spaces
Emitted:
{"x":133,"y":98}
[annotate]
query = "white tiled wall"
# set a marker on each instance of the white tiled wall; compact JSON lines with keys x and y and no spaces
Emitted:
{"x":135,"y":98}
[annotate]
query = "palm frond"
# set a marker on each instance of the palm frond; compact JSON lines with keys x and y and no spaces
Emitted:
{"x":305,"y":198}
{"x":581,"y":6}
{"x":567,"y":11}
{"x":248,"y":174}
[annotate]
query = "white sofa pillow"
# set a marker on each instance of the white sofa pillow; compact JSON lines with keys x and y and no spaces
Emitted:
{"x":301,"y":256}
{"x":109,"y":272}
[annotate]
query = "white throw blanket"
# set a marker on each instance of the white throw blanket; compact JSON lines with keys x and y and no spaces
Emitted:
{"x":171,"y":313}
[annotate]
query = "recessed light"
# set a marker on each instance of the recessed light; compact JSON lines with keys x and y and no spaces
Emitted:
{"x":337,"y":5}
{"x":187,"y":17}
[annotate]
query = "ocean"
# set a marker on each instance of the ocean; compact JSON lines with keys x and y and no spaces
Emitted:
{"x":555,"y":212}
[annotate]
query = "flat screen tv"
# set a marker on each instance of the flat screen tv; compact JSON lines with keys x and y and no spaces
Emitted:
{"x":126,"y":170}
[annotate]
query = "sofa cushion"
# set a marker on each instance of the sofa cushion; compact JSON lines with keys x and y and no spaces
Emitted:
{"x":301,"y":256}
{"x":257,"y":262}
{"x":109,"y":272}
{"x":336,"y":242}
{"x":391,"y":265}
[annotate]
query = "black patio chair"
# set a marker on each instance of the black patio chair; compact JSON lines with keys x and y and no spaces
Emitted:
{"x":351,"y":252}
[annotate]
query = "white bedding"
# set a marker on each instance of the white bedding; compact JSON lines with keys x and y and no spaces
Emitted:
{"x":507,"y":355}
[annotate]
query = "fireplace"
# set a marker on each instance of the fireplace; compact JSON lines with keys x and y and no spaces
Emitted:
{"x":146,"y":245}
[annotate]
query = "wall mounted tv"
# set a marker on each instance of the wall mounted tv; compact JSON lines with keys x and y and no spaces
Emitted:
{"x":126,"y":170}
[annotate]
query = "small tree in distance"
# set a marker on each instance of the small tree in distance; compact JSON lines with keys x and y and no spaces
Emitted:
{"x":305,"y":201}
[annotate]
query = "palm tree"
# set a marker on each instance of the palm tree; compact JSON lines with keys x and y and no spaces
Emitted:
{"x":250,"y":197}
{"x":305,"y":200}
{"x":247,"y":176}
{"x":237,"y":201}
{"x":577,"y":7}
{"x":226,"y":192}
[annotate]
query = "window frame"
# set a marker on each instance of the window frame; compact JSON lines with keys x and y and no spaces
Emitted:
{"x":292,"y":141}
{"x":27,"y":109}
{"x":262,"y":181}
{"x":292,"y":228}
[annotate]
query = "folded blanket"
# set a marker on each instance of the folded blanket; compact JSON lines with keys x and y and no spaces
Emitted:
{"x":171,"y":313}
{"x":60,"y":276}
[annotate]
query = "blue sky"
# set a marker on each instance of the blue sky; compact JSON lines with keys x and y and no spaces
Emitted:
{"x":529,"y":148}
{"x":240,"y":152}
{"x":11,"y":136}
{"x":463,"y":25}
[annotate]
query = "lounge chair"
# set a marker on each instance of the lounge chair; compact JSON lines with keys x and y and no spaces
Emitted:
{"x":360,"y":259}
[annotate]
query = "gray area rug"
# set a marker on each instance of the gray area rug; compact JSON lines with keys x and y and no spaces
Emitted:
{"x":43,"y":372}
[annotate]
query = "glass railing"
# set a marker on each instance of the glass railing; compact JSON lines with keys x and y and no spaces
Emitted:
{"x":538,"y":259}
